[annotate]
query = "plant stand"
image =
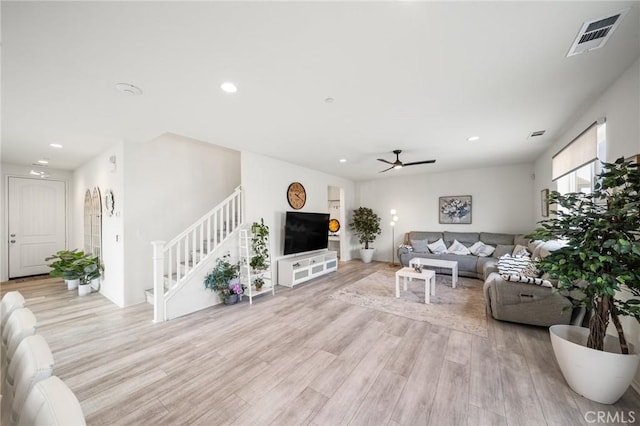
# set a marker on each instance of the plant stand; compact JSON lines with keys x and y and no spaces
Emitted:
{"x":247,"y":275}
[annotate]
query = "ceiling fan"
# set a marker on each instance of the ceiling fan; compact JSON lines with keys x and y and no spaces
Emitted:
{"x":399,"y":164}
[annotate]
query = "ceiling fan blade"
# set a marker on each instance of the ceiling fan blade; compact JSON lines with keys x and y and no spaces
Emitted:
{"x":386,"y":170}
{"x":385,"y":161}
{"x":420,"y":162}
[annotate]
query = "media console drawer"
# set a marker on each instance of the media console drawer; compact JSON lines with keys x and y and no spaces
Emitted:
{"x":298,"y":269}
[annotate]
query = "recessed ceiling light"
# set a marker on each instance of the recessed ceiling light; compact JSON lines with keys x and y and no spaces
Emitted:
{"x":328,"y":100}
{"x":343,"y":160}
{"x":55,"y":145}
{"x":228,"y":87}
{"x":34,"y":173}
{"x":473,"y":138}
{"x":129,"y":89}
{"x":43,"y":161}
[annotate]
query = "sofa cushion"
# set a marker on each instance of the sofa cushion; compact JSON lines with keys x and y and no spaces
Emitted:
{"x":421,"y":235}
{"x":501,"y":250}
{"x":437,"y":247}
{"x":521,"y":240}
{"x":458,"y":248}
{"x":466,"y":238}
{"x":420,"y":246}
{"x":495,"y":239}
{"x":481,"y":249}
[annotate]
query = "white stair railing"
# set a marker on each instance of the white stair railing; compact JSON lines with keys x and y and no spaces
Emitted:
{"x":173,"y":262}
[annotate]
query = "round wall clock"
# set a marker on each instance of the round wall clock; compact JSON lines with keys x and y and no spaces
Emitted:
{"x":109,"y":203}
{"x":296,"y":195}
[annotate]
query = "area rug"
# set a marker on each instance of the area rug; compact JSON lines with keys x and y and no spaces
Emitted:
{"x":461,"y":308}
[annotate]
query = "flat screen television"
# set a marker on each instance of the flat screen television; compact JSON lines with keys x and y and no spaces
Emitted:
{"x":305,"y":232}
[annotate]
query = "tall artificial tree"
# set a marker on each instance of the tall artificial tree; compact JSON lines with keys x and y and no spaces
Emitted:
{"x":602,"y":254}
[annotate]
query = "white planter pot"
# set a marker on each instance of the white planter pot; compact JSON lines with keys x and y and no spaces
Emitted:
{"x":72,"y":284}
{"x":366,"y":254}
{"x":601,"y":376}
{"x":95,"y":284}
{"x":84,"y":289}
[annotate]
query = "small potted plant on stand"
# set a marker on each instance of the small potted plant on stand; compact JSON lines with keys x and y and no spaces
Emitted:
{"x":223,"y":279}
{"x":600,"y":264}
{"x":260,"y":249}
{"x":366,"y":225}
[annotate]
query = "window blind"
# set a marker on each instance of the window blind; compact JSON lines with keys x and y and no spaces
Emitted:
{"x":580,"y":151}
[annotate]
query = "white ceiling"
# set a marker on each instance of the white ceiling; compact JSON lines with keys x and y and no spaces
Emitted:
{"x":418,"y":76}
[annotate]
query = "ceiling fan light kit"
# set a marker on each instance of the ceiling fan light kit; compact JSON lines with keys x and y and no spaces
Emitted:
{"x":399,"y":164}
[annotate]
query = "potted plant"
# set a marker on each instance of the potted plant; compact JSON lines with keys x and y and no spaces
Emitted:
{"x":259,"y":246}
{"x":62,"y":266}
{"x":223,"y":279}
{"x":601,"y":264}
{"x":89,"y":269}
{"x":258,"y":282}
{"x":366,"y":225}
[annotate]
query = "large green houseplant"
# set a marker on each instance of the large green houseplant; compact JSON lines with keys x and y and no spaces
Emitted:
{"x":601,"y":259}
{"x":65,"y":266}
{"x":366,"y":225}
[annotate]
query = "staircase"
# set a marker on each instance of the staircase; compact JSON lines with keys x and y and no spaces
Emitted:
{"x":175,"y":263}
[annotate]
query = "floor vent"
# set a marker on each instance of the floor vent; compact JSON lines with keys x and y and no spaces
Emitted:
{"x":594,"y":34}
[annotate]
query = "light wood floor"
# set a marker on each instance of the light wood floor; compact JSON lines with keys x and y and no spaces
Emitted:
{"x":300,"y":358}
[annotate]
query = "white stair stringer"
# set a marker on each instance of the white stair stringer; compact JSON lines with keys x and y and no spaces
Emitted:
{"x":187,"y":258}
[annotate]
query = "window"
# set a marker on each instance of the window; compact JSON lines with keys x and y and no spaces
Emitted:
{"x":575,"y":167}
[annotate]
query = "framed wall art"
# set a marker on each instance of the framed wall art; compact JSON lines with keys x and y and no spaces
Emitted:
{"x":455,"y":209}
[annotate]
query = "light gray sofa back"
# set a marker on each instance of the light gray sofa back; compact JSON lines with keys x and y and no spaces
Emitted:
{"x":466,"y":238}
{"x":495,"y":239}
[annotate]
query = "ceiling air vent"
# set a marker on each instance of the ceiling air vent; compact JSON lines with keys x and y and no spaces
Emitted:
{"x":594,"y":34}
{"x":537,"y":133}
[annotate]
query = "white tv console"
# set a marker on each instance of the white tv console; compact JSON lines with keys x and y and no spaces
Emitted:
{"x":298,"y":269}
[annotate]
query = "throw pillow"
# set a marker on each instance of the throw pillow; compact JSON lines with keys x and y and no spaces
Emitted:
{"x":501,"y":250}
{"x":508,"y":264}
{"x":419,"y":246}
{"x":457,"y":247}
{"x":520,"y":251}
{"x":481,"y":249}
{"x":527,"y":280}
{"x":404,"y":249}
{"x":437,"y":247}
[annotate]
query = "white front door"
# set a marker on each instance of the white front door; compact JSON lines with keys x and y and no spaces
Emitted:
{"x":37,"y":224}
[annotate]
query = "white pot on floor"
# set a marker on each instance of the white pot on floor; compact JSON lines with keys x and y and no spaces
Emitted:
{"x":601,"y":376}
{"x":367,"y":254}
{"x":72,"y":284}
{"x":84,"y":289}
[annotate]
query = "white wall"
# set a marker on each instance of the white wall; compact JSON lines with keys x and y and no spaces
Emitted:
{"x":265,"y":181}
{"x":501,"y":202}
{"x":620,"y":105}
{"x":11,"y":170}
{"x":170,"y":182}
{"x":100,"y":172}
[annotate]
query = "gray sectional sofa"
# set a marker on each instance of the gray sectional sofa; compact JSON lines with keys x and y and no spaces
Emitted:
{"x":468,"y":265}
{"x":505,"y":300}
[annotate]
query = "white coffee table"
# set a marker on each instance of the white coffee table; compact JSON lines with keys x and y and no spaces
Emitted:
{"x":427,"y":275}
{"x":439,"y":263}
